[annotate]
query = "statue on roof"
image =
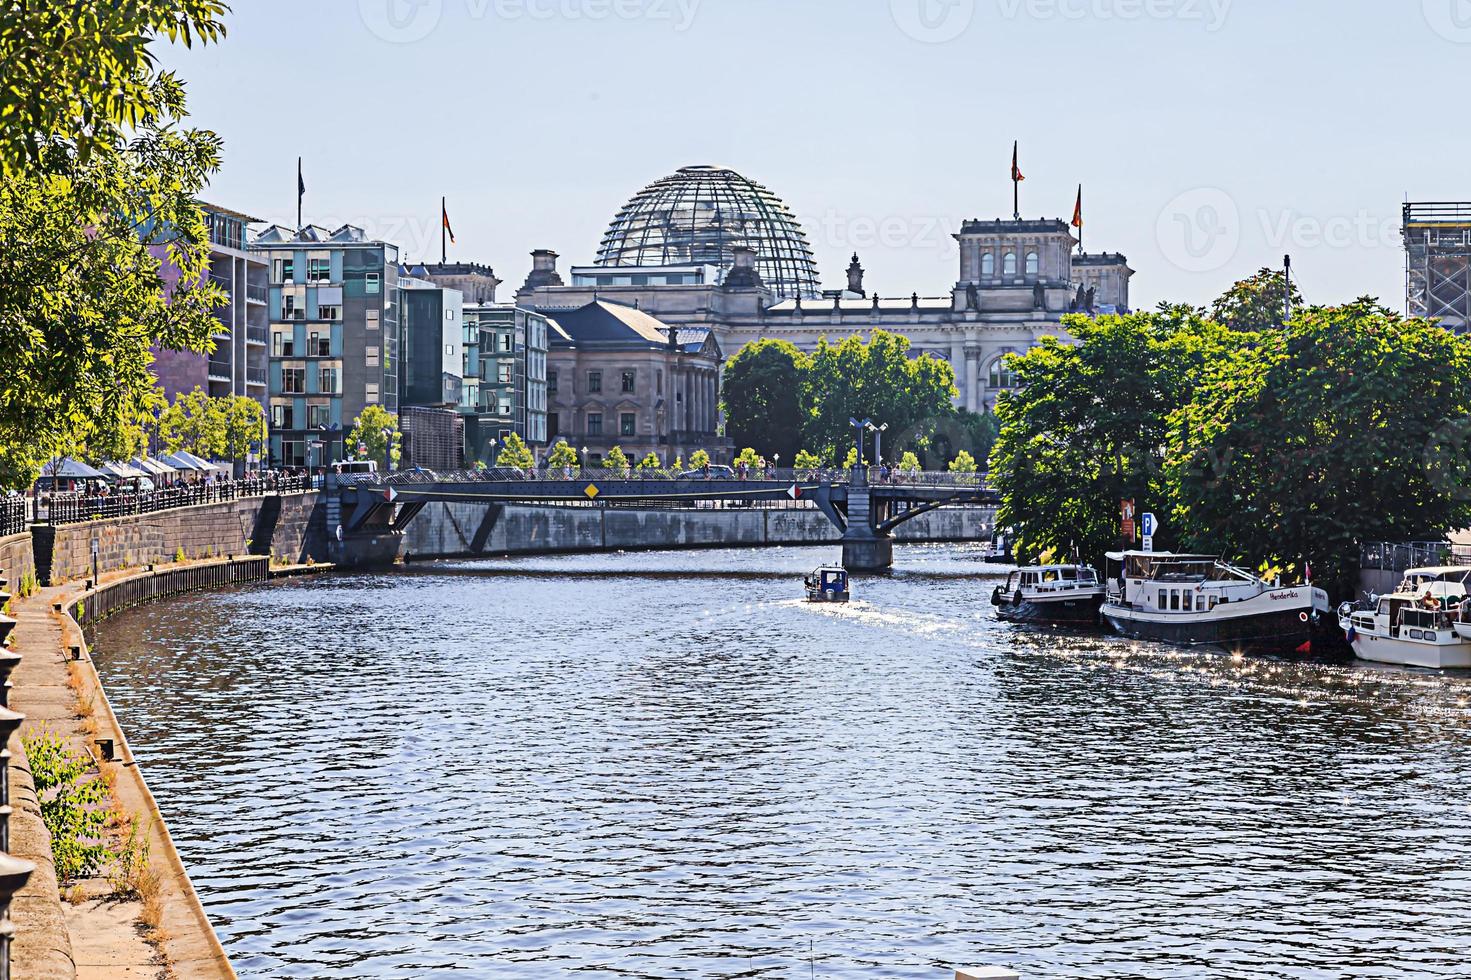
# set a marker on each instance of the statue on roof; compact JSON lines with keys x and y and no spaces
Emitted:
{"x":972,"y":297}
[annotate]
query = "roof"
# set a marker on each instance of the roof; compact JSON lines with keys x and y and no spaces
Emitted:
{"x":315,"y":235}
{"x":817,"y":307}
{"x":603,"y":322}
{"x":230,"y":212}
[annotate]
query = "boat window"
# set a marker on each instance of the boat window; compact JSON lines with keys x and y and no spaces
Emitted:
{"x":1049,"y":576}
{"x":1164,"y":599}
{"x":1174,"y":599}
{"x":1186,"y":603}
{"x":1213,"y":602}
{"x":1029,"y":579}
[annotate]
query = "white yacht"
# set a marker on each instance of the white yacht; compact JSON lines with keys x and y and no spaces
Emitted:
{"x":1421,"y":624}
{"x":1199,"y":600}
{"x":1063,"y":594}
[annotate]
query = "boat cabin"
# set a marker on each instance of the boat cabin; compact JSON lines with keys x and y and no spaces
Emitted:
{"x":1164,"y":582}
{"x":1049,"y":579}
{"x":828,"y":584}
{"x":1446,"y":583}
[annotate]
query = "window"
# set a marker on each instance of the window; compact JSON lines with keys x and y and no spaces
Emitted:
{"x":629,"y":379}
{"x":288,"y":307}
{"x":370,"y":393}
{"x":554,"y":425}
{"x":1008,"y":264}
{"x":318,"y":416}
{"x":1164,"y":599}
{"x":552,"y":381}
{"x":504,"y":406}
{"x":1033,"y":263}
{"x":282,"y":417}
{"x":371,"y":319}
{"x":293,"y":380}
{"x":449,"y":349}
{"x":283,"y":344}
{"x":988,"y":264}
{"x":627,"y":424}
{"x":318,"y":270}
{"x":371,"y":284}
{"x":594,"y":423}
{"x":659,"y":382}
{"x":327,"y":381}
{"x":283,"y":270}
{"x":1174,"y":600}
{"x":1186,"y":600}
{"x":329,"y":313}
{"x":1001,"y":376}
{"x":503,"y":372}
{"x":506,"y":342}
{"x":370,"y":356}
{"x":594,"y":382}
{"x":318,"y":345}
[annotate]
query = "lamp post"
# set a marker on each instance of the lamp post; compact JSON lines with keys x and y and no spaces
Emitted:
{"x":387,"y":449}
{"x":878,"y":442}
{"x":491,"y":445}
{"x":859,"y":428}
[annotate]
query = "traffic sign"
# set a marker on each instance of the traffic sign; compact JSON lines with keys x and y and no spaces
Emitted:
{"x":795,"y":492}
{"x":1148,"y":542}
{"x":1151,"y":526}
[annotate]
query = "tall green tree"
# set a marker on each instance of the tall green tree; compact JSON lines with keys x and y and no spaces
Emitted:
{"x":99,"y":194}
{"x":195,"y":422}
{"x":242,"y":422}
{"x":761,"y":397}
{"x":1088,"y":426}
{"x":376,"y":431}
{"x":876,"y":380}
{"x":1256,"y":303}
{"x":1348,"y":426}
{"x":515,"y":454}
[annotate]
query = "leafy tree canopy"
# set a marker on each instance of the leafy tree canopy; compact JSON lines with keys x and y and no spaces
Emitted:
{"x":1257,"y":303}
{"x":616,"y":459}
{"x":375,"y":433}
{"x":761,"y":397}
{"x":562,"y":456}
{"x":515,"y":454}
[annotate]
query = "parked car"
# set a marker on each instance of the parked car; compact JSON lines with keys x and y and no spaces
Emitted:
{"x":716,"y":473}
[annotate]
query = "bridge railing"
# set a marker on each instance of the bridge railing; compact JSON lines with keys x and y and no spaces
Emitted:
{"x":877,"y":477}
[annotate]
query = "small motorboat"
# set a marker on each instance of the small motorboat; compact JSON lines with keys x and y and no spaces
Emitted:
{"x":1424,"y":623}
{"x":828,"y":584}
{"x":1065,"y":595}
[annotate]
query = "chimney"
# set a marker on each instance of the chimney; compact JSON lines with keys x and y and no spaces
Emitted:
{"x":543,"y":270}
{"x":855,"y":276}
{"x":743,"y":273}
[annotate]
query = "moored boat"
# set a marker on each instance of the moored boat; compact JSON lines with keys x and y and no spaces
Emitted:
{"x":1066,"y":595}
{"x":1426,"y":622}
{"x":1199,"y":600}
{"x":827,"y":584}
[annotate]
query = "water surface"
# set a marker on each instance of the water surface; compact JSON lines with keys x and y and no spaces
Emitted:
{"x":666,"y":765}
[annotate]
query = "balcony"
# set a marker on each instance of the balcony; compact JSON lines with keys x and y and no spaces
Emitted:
{"x":219,"y":370}
{"x":256,"y":376}
{"x":257,"y":335}
{"x":257,"y":294}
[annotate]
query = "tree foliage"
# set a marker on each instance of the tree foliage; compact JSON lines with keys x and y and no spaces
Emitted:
{"x":806,"y":460}
{"x":1088,"y":426}
{"x":699,"y":459}
{"x":1348,"y":426}
{"x":616,"y":459}
{"x":761,"y":397}
{"x":375,"y":433}
{"x":1256,"y":303}
{"x":515,"y":454}
{"x":650,"y":462}
{"x":99,"y":195}
{"x":563,"y":456}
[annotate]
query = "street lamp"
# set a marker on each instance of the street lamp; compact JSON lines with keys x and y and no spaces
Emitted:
{"x":859,"y":428}
{"x":387,"y":449}
{"x":878,"y":442}
{"x":491,"y":446}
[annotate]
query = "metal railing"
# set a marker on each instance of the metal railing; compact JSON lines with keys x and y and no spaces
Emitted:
{"x":256,"y":294}
{"x":597,"y":474}
{"x":74,"y":508}
{"x":12,"y":515}
{"x":1392,"y":556}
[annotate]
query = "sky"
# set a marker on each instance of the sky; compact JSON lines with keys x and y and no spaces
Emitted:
{"x":1211,"y":137}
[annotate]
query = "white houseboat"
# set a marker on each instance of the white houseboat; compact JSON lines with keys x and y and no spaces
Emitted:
{"x":1067,"y":595}
{"x":1199,"y":600}
{"x":1424,"y":623}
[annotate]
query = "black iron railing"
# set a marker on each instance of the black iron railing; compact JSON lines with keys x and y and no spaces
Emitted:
{"x":12,"y":515}
{"x":74,"y":508}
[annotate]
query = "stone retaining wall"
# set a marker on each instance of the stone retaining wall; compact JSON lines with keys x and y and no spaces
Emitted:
{"x":461,"y":530}
{"x":16,"y":559}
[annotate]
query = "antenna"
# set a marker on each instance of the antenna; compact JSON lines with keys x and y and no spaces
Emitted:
{"x":1287,"y":299}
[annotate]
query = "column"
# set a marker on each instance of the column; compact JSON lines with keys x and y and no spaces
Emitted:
{"x":972,"y":379}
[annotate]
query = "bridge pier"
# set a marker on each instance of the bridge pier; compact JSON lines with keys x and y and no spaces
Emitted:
{"x":865,"y":549}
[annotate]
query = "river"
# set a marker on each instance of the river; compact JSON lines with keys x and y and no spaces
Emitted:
{"x":666,"y":765}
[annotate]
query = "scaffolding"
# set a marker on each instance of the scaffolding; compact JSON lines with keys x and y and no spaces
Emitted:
{"x":1438,"y":262}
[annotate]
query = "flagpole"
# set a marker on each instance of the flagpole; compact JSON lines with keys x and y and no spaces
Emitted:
{"x":298,"y":193}
{"x":443,"y":212}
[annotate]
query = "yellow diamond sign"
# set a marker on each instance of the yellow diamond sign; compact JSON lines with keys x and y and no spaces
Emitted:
{"x":591,"y":491}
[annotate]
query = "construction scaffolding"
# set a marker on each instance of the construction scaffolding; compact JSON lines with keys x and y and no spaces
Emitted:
{"x":1438,"y":262}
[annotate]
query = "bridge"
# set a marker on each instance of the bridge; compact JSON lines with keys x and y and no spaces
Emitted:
{"x":864,"y":511}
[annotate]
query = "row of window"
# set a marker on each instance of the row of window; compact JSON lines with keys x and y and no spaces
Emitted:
{"x":293,"y":380}
{"x":283,"y":270}
{"x":627,"y":424}
{"x":1184,"y":600}
{"x":627,"y":382}
{"x":285,"y":416}
{"x":1008,"y":264}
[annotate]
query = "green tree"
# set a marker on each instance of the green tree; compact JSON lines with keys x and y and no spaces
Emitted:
{"x":749,"y":457}
{"x":616,"y":460}
{"x":678,"y":466}
{"x":100,"y":189}
{"x":807,"y":460}
{"x":563,"y":456}
{"x":699,"y":459}
{"x":650,"y":462}
{"x":375,"y":433}
{"x":909,"y":463}
{"x":761,"y":392}
{"x":1348,"y":426}
{"x":194,"y":422}
{"x":1257,"y":303}
{"x":1088,"y":426}
{"x":243,"y":422}
{"x":876,"y":380}
{"x":515,"y":455}
{"x":851,"y":460}
{"x":964,"y":462}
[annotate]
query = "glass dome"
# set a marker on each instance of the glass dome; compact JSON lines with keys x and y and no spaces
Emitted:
{"x":696,"y":216}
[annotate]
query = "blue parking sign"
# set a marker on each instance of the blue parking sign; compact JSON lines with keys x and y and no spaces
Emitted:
{"x":1149,"y":526}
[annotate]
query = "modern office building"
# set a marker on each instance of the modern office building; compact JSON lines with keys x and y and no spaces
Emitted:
{"x":431,"y":370}
{"x":239,"y":362}
{"x":510,"y":377}
{"x":620,"y":377}
{"x":334,"y":336}
{"x":708,"y":249}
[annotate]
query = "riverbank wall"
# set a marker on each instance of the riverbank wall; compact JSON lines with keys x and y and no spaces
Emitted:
{"x":55,"y":677}
{"x":470,"y":530}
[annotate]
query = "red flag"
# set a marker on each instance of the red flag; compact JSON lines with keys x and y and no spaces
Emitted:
{"x":444,"y":215}
{"x":1078,"y":209}
{"x":1016,"y":170}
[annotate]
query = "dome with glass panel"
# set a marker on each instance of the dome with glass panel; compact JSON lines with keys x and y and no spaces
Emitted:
{"x":697,"y":215}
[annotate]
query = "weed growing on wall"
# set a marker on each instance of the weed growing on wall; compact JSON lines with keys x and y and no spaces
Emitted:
{"x":71,"y":808}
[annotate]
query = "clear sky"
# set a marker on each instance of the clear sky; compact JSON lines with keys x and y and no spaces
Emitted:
{"x":1211,"y":136}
